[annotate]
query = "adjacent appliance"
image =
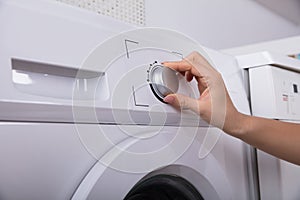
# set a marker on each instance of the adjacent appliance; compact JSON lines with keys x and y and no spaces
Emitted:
{"x":82,"y":117}
{"x":273,"y":82}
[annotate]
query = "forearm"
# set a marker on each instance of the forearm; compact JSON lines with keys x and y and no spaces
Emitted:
{"x":281,"y":139}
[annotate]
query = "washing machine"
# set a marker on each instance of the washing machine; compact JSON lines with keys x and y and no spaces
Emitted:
{"x":41,"y":154}
{"x":273,"y":82}
{"x":82,"y":115}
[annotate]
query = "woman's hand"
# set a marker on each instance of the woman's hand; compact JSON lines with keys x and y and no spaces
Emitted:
{"x":214,"y":104}
{"x":281,"y":139}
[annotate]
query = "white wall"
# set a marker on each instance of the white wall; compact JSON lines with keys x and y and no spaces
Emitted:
{"x":219,"y":24}
{"x":286,"y":46}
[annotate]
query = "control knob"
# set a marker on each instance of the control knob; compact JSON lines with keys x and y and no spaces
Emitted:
{"x":163,"y":81}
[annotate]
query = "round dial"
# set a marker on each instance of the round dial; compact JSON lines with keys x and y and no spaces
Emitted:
{"x":163,"y":81}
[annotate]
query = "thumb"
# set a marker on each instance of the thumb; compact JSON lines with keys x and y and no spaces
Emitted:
{"x":182,"y":102}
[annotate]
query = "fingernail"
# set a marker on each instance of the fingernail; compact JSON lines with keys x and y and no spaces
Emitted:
{"x":169,"y":99}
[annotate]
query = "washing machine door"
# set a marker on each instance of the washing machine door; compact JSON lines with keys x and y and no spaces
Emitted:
{"x":165,"y":187}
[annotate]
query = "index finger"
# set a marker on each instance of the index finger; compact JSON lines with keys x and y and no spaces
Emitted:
{"x":182,"y":66}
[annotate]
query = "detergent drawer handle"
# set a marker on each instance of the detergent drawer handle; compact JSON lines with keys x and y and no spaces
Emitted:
{"x":45,"y":79}
{"x":53,"y":69}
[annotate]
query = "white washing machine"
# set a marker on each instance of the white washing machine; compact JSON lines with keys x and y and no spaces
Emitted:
{"x":273,"y":82}
{"x":82,"y":118}
{"x":41,"y":154}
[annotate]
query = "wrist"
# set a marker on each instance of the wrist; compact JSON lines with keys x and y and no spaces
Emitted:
{"x":238,"y":126}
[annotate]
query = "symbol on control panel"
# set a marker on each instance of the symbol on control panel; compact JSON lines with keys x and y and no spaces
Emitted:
{"x":126,"y":46}
{"x":134,"y":99}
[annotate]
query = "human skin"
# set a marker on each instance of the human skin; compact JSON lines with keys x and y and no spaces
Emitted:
{"x":281,"y":139}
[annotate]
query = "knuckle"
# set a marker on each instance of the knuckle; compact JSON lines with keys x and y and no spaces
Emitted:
{"x":194,"y":53}
{"x":183,"y":102}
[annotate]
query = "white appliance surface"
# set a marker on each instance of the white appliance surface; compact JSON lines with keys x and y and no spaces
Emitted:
{"x":79,"y":120}
{"x":43,"y":160}
{"x":274,"y":82}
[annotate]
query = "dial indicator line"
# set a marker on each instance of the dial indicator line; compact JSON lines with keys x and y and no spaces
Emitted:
{"x":181,"y":55}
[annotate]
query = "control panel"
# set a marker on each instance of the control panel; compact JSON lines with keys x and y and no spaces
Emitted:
{"x":275,"y":92}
